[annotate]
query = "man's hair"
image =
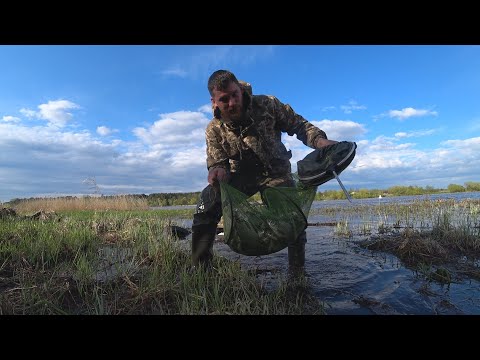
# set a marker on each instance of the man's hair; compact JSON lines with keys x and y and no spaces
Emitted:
{"x":220,"y":80}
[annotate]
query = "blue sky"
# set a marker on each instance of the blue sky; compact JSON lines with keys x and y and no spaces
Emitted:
{"x":132,"y":117}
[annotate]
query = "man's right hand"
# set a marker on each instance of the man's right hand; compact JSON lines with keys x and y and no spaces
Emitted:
{"x":217,"y":174}
{"x":321,"y":142}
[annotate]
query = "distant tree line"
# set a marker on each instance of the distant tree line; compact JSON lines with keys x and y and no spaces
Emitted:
{"x":469,"y":186}
{"x":396,"y":191}
{"x":168,"y":199}
{"x":191,"y":198}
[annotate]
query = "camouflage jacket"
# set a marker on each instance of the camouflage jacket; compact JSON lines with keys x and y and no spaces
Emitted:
{"x":227,"y":143}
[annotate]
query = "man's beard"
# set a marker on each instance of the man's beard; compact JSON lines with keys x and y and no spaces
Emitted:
{"x":234,"y":117}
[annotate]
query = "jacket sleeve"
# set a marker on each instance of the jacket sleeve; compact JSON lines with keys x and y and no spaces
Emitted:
{"x":290,"y":122}
{"x":216,"y":155}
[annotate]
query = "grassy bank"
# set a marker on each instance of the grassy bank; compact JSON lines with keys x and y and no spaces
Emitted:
{"x":125,"y":262}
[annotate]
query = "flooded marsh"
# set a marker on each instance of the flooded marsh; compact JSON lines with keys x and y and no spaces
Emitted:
{"x":399,"y":255}
{"x":390,"y":256}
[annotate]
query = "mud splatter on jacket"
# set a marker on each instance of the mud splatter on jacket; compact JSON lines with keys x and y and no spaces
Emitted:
{"x":233,"y":146}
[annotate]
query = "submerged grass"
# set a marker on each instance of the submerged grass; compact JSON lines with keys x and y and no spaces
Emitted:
{"x":126,"y":262}
{"x":426,"y":234}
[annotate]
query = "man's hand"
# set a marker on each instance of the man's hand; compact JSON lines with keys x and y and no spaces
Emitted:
{"x":321,"y":142}
{"x":217,"y":174}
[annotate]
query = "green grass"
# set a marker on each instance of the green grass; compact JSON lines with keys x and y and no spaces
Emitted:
{"x":127,"y":262}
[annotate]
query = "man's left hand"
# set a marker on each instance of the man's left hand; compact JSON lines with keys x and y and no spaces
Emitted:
{"x":321,"y":142}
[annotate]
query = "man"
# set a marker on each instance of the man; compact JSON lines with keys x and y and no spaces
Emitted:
{"x":244,"y":148}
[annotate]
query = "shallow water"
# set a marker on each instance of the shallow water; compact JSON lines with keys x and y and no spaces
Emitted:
{"x":352,"y":280}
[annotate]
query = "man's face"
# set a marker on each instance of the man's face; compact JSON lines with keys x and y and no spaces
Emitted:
{"x":229,"y":101}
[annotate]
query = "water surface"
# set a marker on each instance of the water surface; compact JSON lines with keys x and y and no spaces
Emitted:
{"x":352,"y":280}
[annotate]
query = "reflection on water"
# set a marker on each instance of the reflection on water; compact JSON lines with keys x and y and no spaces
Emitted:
{"x":352,"y":280}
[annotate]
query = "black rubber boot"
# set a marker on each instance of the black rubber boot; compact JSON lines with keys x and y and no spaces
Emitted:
{"x":296,"y":256}
{"x":202,"y":245}
{"x":296,"y":253}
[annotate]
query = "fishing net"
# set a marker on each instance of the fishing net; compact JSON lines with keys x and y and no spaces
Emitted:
{"x":321,"y":165}
{"x":253,"y":228}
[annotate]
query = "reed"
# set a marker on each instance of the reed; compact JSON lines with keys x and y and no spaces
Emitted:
{"x":82,"y":203}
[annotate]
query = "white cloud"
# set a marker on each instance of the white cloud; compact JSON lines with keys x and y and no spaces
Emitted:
{"x":104,"y":130}
{"x":469,"y":145}
{"x":44,"y":159}
{"x":419,"y":133}
{"x":55,"y":112}
{"x":9,"y":118}
{"x":383,"y":163}
{"x":327,"y":108}
{"x":51,"y":161}
{"x":196,"y":156}
{"x":207,"y":108}
{"x":352,"y":105}
{"x":178,"y":129}
{"x":175,"y":71}
{"x":341,"y":130}
{"x":406,"y":113}
{"x":28,"y":113}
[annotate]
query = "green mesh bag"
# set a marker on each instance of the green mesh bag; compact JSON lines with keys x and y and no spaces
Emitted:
{"x":252,"y":228}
